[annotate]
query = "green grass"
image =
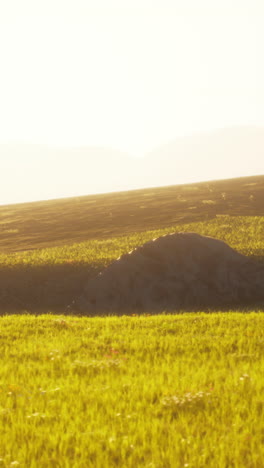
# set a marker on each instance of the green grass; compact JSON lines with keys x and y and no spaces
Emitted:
{"x":144,"y":391}
{"x":58,"y":222}
{"x":152,"y":391}
{"x":49,"y":279}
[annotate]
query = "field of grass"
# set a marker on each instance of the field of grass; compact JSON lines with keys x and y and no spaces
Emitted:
{"x":55,"y":223}
{"x":152,"y":391}
{"x":49,"y":279}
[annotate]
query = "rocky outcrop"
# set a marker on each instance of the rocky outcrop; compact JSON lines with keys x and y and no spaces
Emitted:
{"x":175,"y":272}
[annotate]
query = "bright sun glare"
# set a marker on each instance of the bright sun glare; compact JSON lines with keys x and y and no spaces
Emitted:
{"x":128,"y":75}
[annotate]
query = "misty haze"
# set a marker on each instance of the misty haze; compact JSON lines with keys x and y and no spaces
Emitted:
{"x":131,"y":233}
{"x":46,"y":172}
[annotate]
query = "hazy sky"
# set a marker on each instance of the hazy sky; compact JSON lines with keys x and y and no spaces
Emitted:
{"x":128,"y":74}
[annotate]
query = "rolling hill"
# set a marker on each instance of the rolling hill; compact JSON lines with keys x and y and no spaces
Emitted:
{"x":58,"y":222}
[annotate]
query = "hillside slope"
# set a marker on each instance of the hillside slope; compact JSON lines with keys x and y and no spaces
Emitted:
{"x":66,"y":221}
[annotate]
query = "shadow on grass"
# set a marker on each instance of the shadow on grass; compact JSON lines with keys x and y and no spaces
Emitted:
{"x":41,"y":289}
{"x":51,"y":288}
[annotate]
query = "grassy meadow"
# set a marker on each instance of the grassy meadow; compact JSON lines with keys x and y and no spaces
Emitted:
{"x":156,"y":391}
{"x":152,"y":391}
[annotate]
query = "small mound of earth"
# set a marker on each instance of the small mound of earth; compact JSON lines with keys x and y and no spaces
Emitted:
{"x":174,"y":272}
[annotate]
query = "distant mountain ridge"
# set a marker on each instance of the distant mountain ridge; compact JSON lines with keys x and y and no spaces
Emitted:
{"x":226,"y":153}
{"x":221,"y":154}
